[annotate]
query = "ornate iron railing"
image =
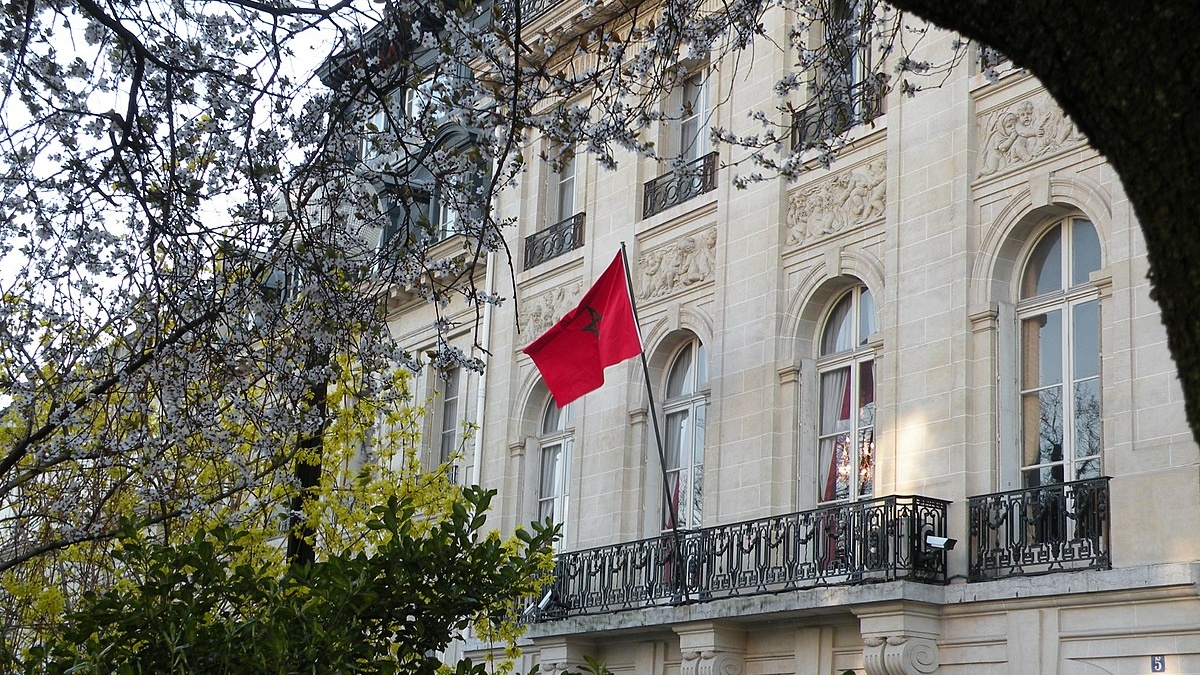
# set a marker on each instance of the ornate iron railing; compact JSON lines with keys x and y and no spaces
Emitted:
{"x":861,"y":542}
{"x":530,"y":10}
{"x":831,"y":115}
{"x":676,"y":187}
{"x":563,"y":236}
{"x":1051,"y":528}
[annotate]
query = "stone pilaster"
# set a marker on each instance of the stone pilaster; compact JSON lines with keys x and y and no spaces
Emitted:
{"x":900,"y":638}
{"x":709,"y":648}
{"x":558,"y":654}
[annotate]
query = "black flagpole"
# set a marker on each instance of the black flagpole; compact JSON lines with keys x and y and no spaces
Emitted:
{"x":671,"y":509}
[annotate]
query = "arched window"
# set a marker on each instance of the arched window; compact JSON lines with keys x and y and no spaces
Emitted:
{"x":846,"y":455}
{"x":556,"y":439}
{"x":1059,"y":314}
{"x":685,"y":404}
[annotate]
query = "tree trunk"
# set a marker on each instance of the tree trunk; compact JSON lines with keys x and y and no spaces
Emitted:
{"x":309,"y":449}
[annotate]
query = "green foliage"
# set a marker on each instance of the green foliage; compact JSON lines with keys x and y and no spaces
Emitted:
{"x":594,"y":666}
{"x":186,"y":609}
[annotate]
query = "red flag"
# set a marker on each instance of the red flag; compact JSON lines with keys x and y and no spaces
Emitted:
{"x":600,"y":332}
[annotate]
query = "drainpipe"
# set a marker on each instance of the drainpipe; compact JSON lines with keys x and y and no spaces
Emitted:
{"x":485,"y":345}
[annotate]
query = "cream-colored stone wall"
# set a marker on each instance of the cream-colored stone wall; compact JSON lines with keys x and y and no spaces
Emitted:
{"x":933,"y":208}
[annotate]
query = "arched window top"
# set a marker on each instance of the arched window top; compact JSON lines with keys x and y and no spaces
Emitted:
{"x":1063,"y":259}
{"x":849,"y":323}
{"x":689,"y":370}
{"x":556,"y":419}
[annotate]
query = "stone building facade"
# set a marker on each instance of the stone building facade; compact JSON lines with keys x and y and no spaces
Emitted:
{"x":947,"y":333}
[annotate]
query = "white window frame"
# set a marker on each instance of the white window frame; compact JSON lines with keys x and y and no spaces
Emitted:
{"x":685,"y":409}
{"x":562,"y":193}
{"x":695,"y":109}
{"x":847,"y":443}
{"x":556,"y":445}
{"x":450,"y":390}
{"x":1070,"y":300}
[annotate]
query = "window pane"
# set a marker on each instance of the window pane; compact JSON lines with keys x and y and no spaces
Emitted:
{"x":698,"y":434}
{"x":565,"y":206}
{"x":697,"y":499}
{"x":838,"y":335}
{"x":701,"y":365}
{"x":1042,"y":413}
{"x":866,"y":428}
{"x":866,"y":316}
{"x":449,"y":435}
{"x":1043,"y":272}
{"x":1085,"y":251}
{"x":866,"y":462}
{"x":1087,"y":468}
{"x":551,"y":470}
{"x":677,"y":500}
{"x":835,"y":401}
{"x":1087,"y":418}
{"x":835,"y":468}
{"x":1046,"y":475}
{"x":1085,"y":349}
{"x":679,"y":382}
{"x":1041,"y":350}
{"x":554,"y":419}
{"x":678,"y":438}
{"x":693,"y":137}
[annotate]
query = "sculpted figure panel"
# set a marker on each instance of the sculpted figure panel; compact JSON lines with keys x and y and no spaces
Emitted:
{"x":847,"y":200}
{"x":684,"y":263}
{"x":1023,"y":132}
{"x":546,"y":309}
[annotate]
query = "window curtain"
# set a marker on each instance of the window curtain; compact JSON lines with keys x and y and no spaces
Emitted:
{"x":835,"y":434}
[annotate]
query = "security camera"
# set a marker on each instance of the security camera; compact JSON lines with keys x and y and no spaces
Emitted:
{"x":545,"y":601}
{"x":940,"y":543}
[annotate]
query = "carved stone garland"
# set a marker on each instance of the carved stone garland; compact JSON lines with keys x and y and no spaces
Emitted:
{"x":847,"y":200}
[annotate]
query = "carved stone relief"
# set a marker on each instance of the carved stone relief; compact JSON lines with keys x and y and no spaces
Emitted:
{"x":1023,"y":132}
{"x":681,"y":264}
{"x":543,"y":311}
{"x":850,"y":198}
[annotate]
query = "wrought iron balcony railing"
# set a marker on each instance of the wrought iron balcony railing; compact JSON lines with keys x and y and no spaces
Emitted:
{"x":1051,"y":528}
{"x":861,"y":542}
{"x":676,"y":187}
{"x":834,"y":114}
{"x":563,"y":236}
{"x":530,"y":10}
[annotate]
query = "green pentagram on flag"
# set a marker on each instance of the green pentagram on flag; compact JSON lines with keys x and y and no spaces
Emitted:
{"x":594,"y":326}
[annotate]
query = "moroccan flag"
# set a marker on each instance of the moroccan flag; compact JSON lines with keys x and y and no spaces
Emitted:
{"x":600,"y":332}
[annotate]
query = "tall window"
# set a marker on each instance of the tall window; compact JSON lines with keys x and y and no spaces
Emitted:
{"x":373,"y":129}
{"x":693,"y":117}
{"x":556,"y":440}
{"x":447,"y":212}
{"x":450,"y":431}
{"x":562,"y":187}
{"x":685,"y":406}
{"x":1059,"y":312}
{"x":846,"y":457}
{"x":847,"y":92}
{"x":848,"y":39}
